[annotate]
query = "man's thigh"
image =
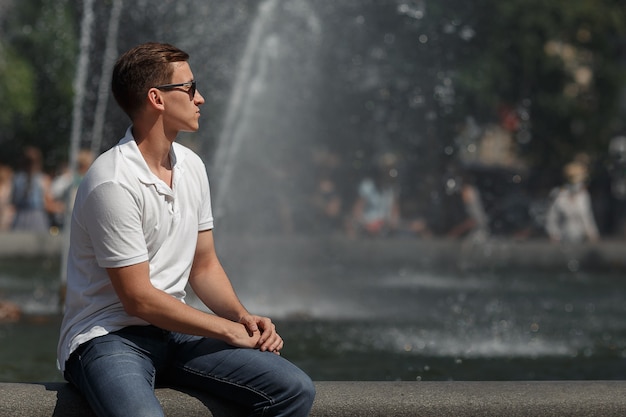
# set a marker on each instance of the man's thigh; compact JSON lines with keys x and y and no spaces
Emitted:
{"x":116,"y":375}
{"x":248,"y":376}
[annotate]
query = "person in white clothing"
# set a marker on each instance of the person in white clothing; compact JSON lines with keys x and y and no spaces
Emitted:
{"x":141,"y":230}
{"x":570,"y":217}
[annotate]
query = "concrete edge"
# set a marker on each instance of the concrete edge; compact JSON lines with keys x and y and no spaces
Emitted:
{"x":494,"y":252}
{"x":362,"y":399}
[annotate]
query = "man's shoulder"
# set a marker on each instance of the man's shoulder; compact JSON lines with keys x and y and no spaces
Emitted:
{"x":106,"y":163}
{"x":108,"y":168}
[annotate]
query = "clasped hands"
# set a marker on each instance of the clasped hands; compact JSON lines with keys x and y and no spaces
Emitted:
{"x":263,"y":328}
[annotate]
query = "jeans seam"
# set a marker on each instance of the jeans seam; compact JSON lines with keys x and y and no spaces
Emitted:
{"x":227,"y":381}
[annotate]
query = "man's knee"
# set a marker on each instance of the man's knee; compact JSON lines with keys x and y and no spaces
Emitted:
{"x":300,"y":389}
{"x":308,"y":392}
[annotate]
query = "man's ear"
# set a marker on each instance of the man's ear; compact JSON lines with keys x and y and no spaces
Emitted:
{"x":155,"y":98}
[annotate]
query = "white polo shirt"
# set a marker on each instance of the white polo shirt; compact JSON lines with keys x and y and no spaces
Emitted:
{"x":124,"y":215}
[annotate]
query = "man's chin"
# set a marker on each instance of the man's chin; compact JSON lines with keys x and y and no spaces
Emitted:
{"x":191,"y":129}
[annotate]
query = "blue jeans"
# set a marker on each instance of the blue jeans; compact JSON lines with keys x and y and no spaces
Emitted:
{"x":118,"y":372}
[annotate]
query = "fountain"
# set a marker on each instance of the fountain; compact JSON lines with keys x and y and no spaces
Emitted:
{"x":285,"y":79}
{"x":266,"y":132}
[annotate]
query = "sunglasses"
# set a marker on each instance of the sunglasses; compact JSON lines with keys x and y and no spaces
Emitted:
{"x":191,"y":88}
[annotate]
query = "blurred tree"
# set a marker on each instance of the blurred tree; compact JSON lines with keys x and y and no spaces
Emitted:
{"x":404,"y":76}
{"x":17,"y":92}
{"x":39,"y":47}
{"x":399,"y":76}
{"x":552,"y":67}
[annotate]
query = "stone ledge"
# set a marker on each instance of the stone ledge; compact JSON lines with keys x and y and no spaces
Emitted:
{"x":363,"y":399}
{"x":537,"y":254}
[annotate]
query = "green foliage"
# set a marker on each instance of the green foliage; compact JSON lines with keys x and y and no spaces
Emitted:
{"x":17,"y":88}
{"x":386,"y":69}
{"x":539,"y":52}
{"x":40,"y":52}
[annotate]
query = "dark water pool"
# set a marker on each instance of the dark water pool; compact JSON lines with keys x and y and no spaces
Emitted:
{"x":387,"y":323}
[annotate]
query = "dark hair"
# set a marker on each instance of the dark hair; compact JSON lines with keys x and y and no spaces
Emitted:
{"x":141,"y":68}
{"x":32,"y":159}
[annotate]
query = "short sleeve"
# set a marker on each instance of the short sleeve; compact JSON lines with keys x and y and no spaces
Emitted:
{"x":112,"y":217}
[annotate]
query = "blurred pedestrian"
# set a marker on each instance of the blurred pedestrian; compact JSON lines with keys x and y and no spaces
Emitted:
{"x":474,"y":223}
{"x":6,"y":208}
{"x":570,"y":215}
{"x":376,"y":211}
{"x":31,"y":193}
{"x":326,"y":198}
{"x":63,"y":187}
{"x":59,"y":187}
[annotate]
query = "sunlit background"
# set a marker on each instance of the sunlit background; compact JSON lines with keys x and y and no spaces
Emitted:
{"x":466,"y":117}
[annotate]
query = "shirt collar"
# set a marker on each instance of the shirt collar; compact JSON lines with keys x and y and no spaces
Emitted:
{"x":131,"y":153}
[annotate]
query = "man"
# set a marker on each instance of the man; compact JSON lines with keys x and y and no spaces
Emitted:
{"x":141,"y":229}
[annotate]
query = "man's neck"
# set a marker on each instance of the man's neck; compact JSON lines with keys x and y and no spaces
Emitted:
{"x":155,"y":148}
